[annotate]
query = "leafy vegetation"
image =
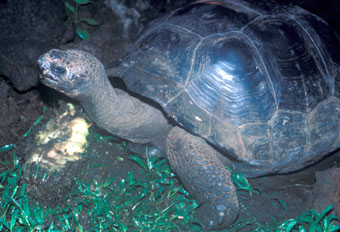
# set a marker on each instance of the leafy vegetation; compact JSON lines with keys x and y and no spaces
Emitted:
{"x":152,"y":203}
{"x":311,"y":221}
{"x":74,"y":18}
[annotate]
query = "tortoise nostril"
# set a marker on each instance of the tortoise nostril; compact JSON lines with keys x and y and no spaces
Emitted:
{"x":40,"y":59}
{"x":43,"y":66}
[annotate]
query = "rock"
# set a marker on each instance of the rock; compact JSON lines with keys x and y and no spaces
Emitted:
{"x":327,"y":190}
{"x":17,"y":112}
{"x":28,"y":29}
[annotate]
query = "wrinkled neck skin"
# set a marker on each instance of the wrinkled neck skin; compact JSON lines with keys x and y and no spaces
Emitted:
{"x":125,"y":116}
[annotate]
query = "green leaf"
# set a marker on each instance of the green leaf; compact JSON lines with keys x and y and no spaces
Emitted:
{"x":290,"y":225}
{"x":306,"y":218}
{"x":130,"y":178}
{"x":335,"y":228}
{"x":302,"y":229}
{"x":69,"y":7}
{"x":160,"y":163}
{"x":313,"y":227}
{"x":241,"y":181}
{"x":331,"y":218}
{"x":27,"y":133}
{"x":150,"y":162}
{"x":138,"y":160}
{"x":83,"y":34}
{"x":283,"y":204}
{"x":14,"y":218}
{"x":323,"y":213}
{"x":89,"y":21}
{"x":7,"y":147}
{"x":38,"y":120}
{"x":122,"y":184}
{"x":82,"y":2}
{"x":26,"y":208}
{"x":108,"y":182}
{"x":3,"y":222}
{"x":313,"y":213}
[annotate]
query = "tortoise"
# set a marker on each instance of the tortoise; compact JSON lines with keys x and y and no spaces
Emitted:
{"x":254,"y":85}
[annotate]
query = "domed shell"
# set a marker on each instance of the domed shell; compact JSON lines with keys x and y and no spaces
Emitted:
{"x":260,"y":81}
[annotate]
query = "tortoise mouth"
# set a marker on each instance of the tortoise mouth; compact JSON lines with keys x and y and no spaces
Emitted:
{"x":45,"y":76}
{"x":48,"y":80}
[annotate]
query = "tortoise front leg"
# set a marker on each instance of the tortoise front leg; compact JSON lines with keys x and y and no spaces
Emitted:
{"x":204,"y":176}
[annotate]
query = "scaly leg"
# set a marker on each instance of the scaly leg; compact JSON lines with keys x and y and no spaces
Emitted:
{"x":204,"y":176}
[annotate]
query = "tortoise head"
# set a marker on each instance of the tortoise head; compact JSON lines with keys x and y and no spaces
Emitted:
{"x":73,"y":72}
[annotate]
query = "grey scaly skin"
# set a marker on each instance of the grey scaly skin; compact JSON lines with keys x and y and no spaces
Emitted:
{"x":81,"y":76}
{"x":204,"y":176}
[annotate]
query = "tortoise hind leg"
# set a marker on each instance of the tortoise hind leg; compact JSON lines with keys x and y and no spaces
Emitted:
{"x":143,"y":149}
{"x":204,"y":176}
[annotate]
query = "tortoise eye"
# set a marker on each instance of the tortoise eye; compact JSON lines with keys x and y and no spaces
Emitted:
{"x":58,"y":70}
{"x":55,"y":54}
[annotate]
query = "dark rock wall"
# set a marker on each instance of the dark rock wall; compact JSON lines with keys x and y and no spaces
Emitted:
{"x":27,"y":29}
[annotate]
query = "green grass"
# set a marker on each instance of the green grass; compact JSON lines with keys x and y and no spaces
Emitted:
{"x":153,"y":202}
{"x":310,"y":221}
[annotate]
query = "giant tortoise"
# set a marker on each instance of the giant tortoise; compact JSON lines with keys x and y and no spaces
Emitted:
{"x":254,"y":85}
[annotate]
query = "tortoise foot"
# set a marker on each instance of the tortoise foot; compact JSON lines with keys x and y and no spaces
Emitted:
{"x":205,"y":178}
{"x":215,"y":216}
{"x":143,"y":149}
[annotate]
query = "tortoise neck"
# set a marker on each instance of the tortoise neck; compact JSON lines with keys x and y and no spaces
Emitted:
{"x":123,"y":115}
{"x":101,"y":103}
